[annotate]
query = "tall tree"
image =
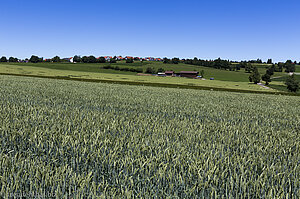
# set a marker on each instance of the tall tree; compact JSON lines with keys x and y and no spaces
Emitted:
{"x":270,"y":71}
{"x":267,"y":78}
{"x":150,"y":70}
{"x":77,"y":59}
{"x":175,"y":60}
{"x":279,"y":67}
{"x":289,"y":66}
{"x":269,"y":61}
{"x":35,"y":59}
{"x":92,"y":59}
{"x":129,"y":61}
{"x":259,"y":61}
{"x":292,"y":83}
{"x":13,"y":59}
{"x":166,"y":60}
{"x":249,"y":68}
{"x":85,"y":59}
{"x":255,"y":76}
{"x":56,"y":59}
{"x":101,"y":60}
{"x":3,"y":59}
{"x":160,"y":70}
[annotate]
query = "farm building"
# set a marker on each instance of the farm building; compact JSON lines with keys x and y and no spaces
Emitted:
{"x":129,"y":57}
{"x":169,"y":73}
{"x":190,"y":74}
{"x":68,"y":59}
{"x":107,"y":58}
{"x":161,"y":74}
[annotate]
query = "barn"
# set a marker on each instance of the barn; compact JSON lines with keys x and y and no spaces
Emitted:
{"x":169,"y":73}
{"x":190,"y":74}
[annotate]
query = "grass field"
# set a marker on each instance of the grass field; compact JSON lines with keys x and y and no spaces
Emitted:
{"x":80,"y":139}
{"x":41,"y":71}
{"x":222,"y":75}
{"x":230,"y":80}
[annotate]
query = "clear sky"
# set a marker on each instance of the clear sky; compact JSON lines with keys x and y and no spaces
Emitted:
{"x":230,"y":29}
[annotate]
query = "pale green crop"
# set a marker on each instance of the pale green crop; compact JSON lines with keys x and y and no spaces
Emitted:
{"x":76,"y":139}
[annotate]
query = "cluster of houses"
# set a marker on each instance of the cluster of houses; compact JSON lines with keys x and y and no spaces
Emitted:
{"x":189,"y":74}
{"x":120,"y":58}
{"x":107,"y":58}
{"x":134,"y":58}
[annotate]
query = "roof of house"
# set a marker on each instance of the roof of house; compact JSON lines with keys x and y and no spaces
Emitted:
{"x":169,"y":71}
{"x":189,"y":72}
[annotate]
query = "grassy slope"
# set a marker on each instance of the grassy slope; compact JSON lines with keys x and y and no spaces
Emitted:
{"x":222,"y":75}
{"x":38,"y":71}
{"x":278,"y":83}
{"x":223,"y":79}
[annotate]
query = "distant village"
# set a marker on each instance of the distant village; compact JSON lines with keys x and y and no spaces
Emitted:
{"x":117,"y":58}
{"x":107,"y":58}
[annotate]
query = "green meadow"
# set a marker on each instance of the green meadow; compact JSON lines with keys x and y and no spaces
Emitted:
{"x":224,"y":79}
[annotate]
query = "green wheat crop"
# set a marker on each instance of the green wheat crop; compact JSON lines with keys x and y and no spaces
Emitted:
{"x":76,"y":139}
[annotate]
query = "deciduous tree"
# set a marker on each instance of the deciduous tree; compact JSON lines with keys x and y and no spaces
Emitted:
{"x":255,"y":76}
{"x":77,"y":59}
{"x":267,"y":78}
{"x":3,"y":59}
{"x":292,"y":83}
{"x":35,"y":59}
{"x":13,"y":59}
{"x":56,"y":59}
{"x":150,"y":70}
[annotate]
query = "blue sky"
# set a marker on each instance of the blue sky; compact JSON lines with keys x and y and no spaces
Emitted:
{"x":230,"y":29}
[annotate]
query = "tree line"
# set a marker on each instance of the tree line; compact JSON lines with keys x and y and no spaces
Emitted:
{"x":56,"y":59}
{"x":149,"y":70}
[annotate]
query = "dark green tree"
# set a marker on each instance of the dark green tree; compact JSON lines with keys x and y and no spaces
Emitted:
{"x":102,"y":60}
{"x":270,"y":71}
{"x":13,"y":59}
{"x":35,"y":59}
{"x":255,"y":76}
{"x":3,"y":59}
{"x":243,"y":64}
{"x":85,"y":59}
{"x":77,"y":59}
{"x":249,"y":68}
{"x":269,"y":61}
{"x":166,"y":60}
{"x":112,"y":61}
{"x":92,"y":59}
{"x":289,"y":66}
{"x":202,"y":73}
{"x":56,"y":59}
{"x":267,"y":78}
{"x":129,"y":61}
{"x":160,"y":70}
{"x":175,"y":60}
{"x":150,"y":70}
{"x":238,"y":67}
{"x":292,"y":83}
